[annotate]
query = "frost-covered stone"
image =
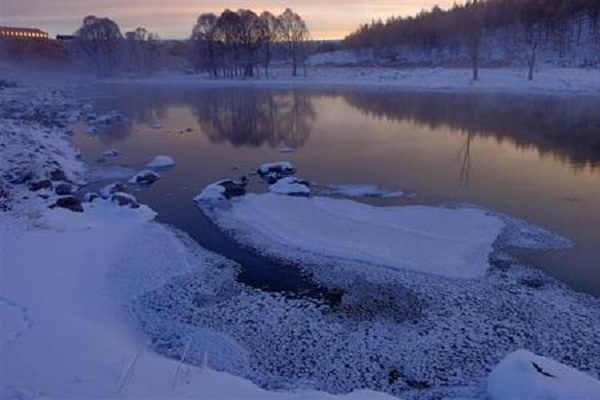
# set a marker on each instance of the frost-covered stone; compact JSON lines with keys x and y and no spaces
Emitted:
{"x":116,"y":187}
{"x":272,"y":172}
{"x":111,"y":153}
{"x":291,"y":186}
{"x":144,"y":178}
{"x":222,"y":190}
{"x":124,"y":199}
{"x":161,"y":161}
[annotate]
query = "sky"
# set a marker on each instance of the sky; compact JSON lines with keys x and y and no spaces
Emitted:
{"x":174,"y":19}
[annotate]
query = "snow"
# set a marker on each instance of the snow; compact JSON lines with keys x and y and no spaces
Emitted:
{"x":439,"y":241}
{"x":361,"y":190}
{"x":522,"y":375}
{"x":548,"y":80}
{"x":213,"y":191}
{"x":161,"y":161}
{"x":290,"y":186}
{"x":65,"y":329}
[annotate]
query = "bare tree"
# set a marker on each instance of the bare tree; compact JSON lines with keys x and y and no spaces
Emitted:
{"x":143,"y":51}
{"x":272,"y":36}
{"x":294,"y":35}
{"x":204,"y":44}
{"x":98,"y":42}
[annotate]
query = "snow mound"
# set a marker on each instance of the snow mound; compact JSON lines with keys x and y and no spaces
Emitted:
{"x":290,"y":186}
{"x":161,"y":161}
{"x":440,"y":241}
{"x":360,"y":190}
{"x":525,"y":376}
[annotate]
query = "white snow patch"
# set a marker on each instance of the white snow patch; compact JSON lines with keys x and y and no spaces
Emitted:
{"x":439,"y":241}
{"x":522,"y":375}
{"x":111,"y":153}
{"x":360,"y":190}
{"x":161,"y":161}
{"x":214,"y":191}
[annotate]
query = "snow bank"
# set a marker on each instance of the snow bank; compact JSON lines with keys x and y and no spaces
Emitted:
{"x":359,"y":190}
{"x":440,"y":241}
{"x":214,"y":191}
{"x":161,"y":162}
{"x":64,"y":331}
{"x":525,"y":376}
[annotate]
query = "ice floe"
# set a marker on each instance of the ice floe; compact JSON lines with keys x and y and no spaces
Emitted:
{"x":433,"y":240}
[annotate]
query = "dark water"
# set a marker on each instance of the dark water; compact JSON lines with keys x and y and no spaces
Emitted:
{"x":537,"y":158}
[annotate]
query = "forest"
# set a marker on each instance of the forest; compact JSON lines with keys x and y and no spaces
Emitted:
{"x":494,"y":32}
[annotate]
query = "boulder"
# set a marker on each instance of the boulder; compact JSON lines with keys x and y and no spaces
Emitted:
{"x":272,"y":172}
{"x":116,"y":187}
{"x":144,"y":178}
{"x":70,"y":203}
{"x":124,"y":199}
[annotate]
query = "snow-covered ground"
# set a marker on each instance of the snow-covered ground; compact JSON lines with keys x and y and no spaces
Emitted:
{"x":64,"y":329}
{"x":74,"y":284}
{"x":550,"y":80}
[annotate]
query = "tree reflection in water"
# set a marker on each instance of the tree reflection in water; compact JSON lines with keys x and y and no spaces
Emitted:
{"x":567,"y":128}
{"x":255,"y":117}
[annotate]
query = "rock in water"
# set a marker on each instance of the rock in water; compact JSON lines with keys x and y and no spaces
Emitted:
{"x":145,"y":178}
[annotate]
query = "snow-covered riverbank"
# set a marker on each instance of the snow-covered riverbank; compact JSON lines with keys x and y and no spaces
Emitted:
{"x":548,"y":81}
{"x":75,"y":283}
{"x":63,"y":331}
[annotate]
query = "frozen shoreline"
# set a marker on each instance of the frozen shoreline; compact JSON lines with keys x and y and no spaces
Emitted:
{"x":548,"y":81}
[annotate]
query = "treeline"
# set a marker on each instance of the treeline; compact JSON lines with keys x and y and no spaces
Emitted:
{"x":242,"y":42}
{"x":499,"y":30}
{"x":238,"y":43}
{"x":100,"y":46}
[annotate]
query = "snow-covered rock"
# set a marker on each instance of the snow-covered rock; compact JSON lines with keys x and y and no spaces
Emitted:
{"x":124,"y":199}
{"x":161,"y":161}
{"x":522,"y":375}
{"x":440,"y":241}
{"x":358,"y":190}
{"x":286,"y":149}
{"x":222,"y":190}
{"x":144,"y":178}
{"x":111,"y":153}
{"x":108,"y":190}
{"x":272,"y":172}
{"x":290,"y":186}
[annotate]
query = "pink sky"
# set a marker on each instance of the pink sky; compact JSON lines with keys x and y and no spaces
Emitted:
{"x":173,"y":19}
